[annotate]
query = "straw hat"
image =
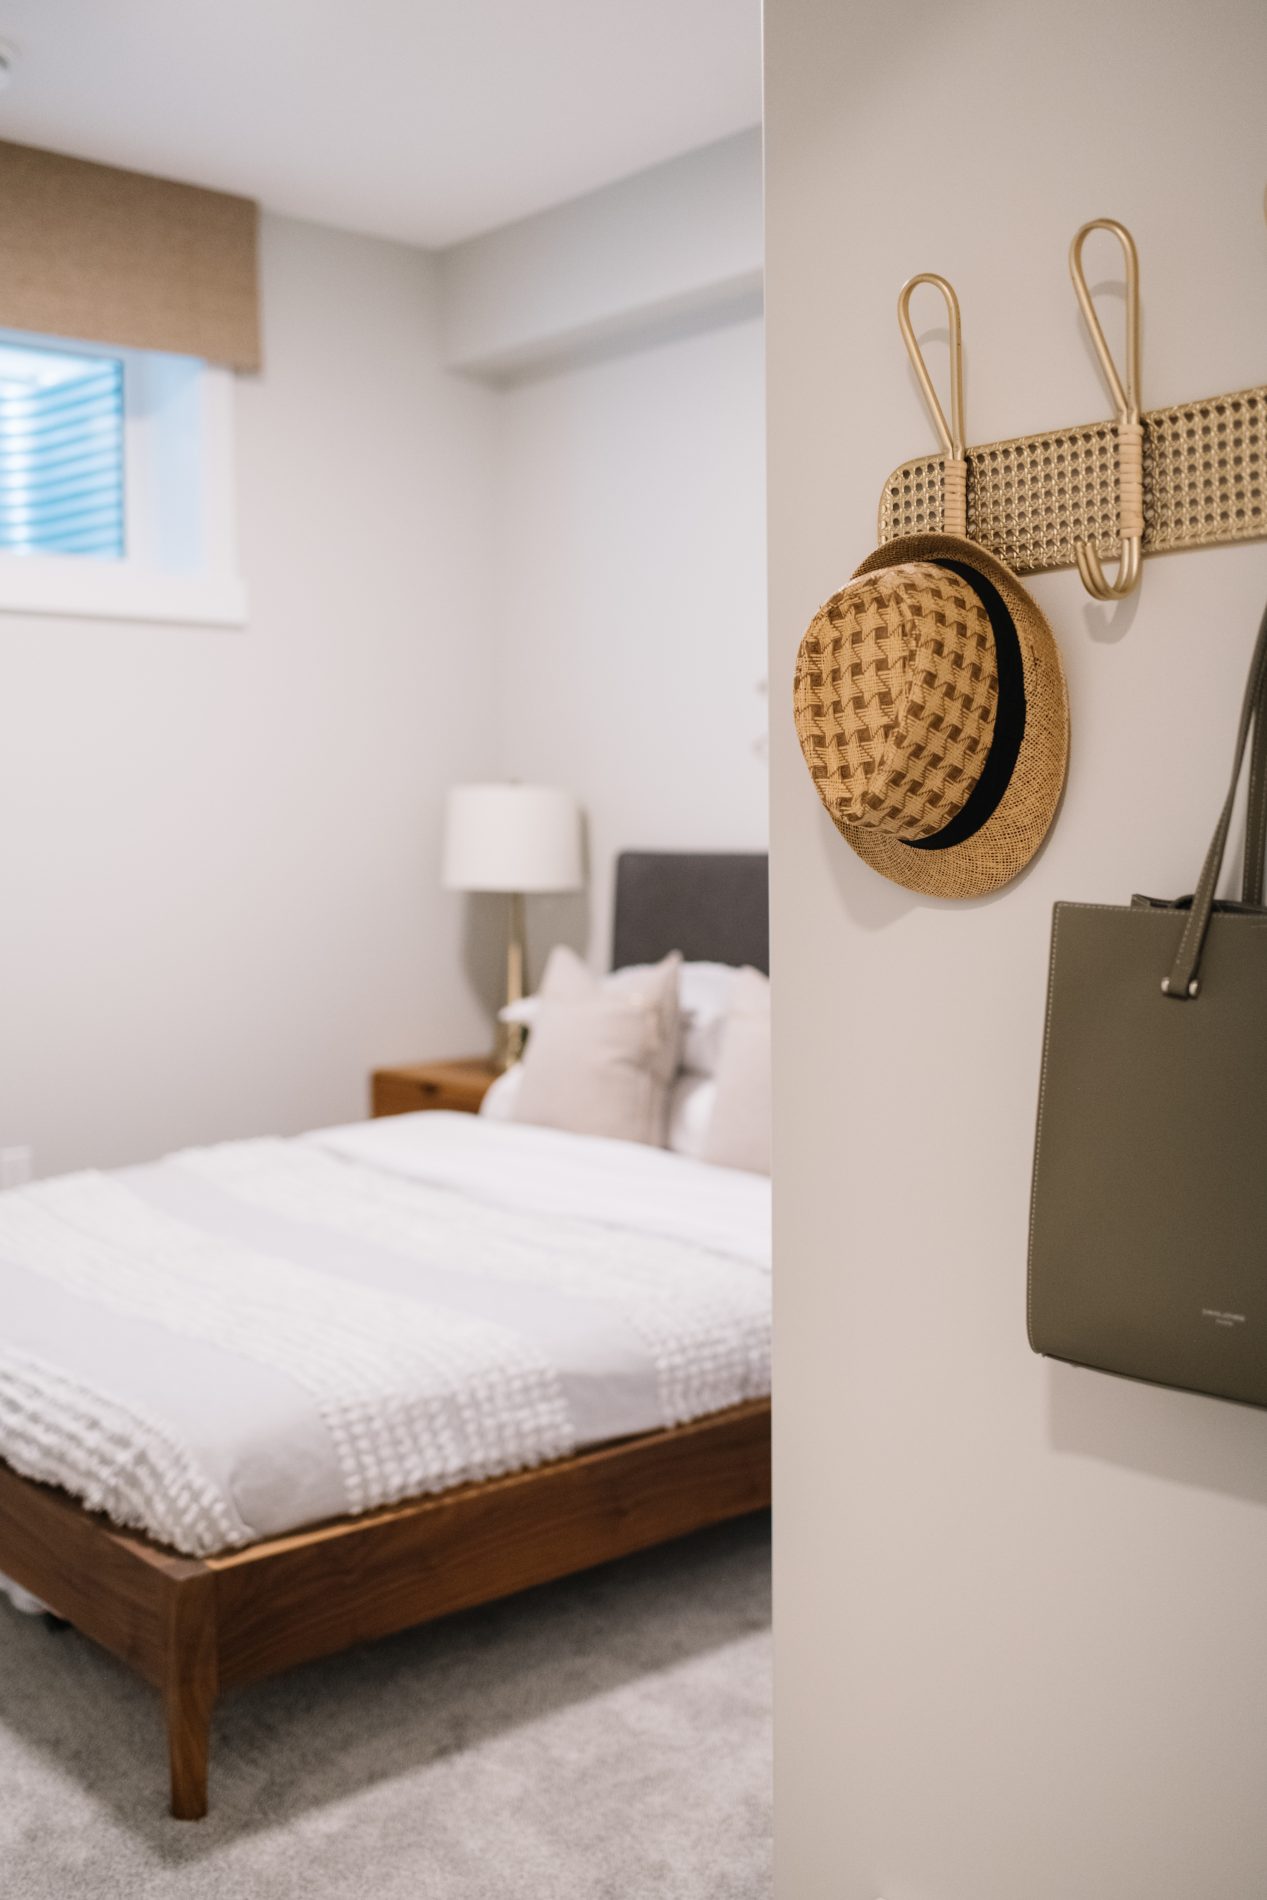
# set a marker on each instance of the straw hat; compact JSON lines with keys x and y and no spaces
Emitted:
{"x":930,"y":705}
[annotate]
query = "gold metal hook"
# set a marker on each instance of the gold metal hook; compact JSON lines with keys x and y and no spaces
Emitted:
{"x":955,"y":472}
{"x":1130,"y":434}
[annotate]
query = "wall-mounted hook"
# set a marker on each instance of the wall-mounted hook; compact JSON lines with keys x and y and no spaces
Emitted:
{"x":955,"y":471}
{"x":1054,"y":498}
{"x":1130,"y":434}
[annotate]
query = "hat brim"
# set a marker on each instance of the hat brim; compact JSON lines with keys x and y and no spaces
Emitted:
{"x":1008,"y":839}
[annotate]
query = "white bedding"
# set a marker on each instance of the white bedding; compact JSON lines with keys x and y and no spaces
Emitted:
{"x":239,"y":1340}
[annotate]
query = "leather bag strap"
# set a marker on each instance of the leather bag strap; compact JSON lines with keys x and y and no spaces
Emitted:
{"x":1183,"y":981}
{"x":1256,"y":814}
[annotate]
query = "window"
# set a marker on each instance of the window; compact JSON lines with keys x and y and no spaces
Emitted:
{"x":61,"y":453}
{"x":115,"y":483}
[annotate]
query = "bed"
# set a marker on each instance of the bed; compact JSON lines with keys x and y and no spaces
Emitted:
{"x":371,"y":1375}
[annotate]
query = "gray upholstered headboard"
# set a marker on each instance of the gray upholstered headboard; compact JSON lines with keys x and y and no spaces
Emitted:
{"x":713,"y":906}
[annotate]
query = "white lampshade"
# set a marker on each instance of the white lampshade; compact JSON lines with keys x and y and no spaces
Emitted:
{"x":512,"y":838}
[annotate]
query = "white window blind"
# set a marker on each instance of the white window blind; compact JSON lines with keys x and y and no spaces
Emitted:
{"x":61,"y":453}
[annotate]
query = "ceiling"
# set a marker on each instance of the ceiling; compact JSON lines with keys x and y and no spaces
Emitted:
{"x":423,"y":120}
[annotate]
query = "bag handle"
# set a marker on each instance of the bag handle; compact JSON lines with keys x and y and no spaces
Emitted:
{"x":1183,"y":981}
{"x":1256,"y":816}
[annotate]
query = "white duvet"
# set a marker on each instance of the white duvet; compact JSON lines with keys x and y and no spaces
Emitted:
{"x":239,"y":1340}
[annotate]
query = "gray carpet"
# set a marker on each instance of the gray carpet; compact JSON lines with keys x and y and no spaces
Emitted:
{"x":604,"y":1738}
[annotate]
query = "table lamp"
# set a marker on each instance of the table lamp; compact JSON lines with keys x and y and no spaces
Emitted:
{"x":520,"y":839}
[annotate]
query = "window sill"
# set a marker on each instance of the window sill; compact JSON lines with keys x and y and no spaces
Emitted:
{"x":31,"y":585}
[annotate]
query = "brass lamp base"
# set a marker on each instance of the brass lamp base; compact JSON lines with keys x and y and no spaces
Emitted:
{"x":509,"y":1044}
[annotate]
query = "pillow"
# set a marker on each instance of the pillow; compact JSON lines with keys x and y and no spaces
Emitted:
{"x":691,"y":1102}
{"x":601,"y":1057}
{"x":739,"y":1127}
{"x":499,"y":1097}
{"x":703,"y":999}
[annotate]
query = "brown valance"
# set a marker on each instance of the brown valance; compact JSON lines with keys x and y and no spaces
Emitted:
{"x":110,"y":256}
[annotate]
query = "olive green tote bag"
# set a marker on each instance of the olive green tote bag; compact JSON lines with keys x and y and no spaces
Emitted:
{"x":1148,"y":1222}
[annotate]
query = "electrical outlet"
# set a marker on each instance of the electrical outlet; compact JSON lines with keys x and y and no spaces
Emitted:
{"x":16,"y":1166}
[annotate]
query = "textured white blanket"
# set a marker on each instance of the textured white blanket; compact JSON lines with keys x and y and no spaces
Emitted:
{"x":239,"y":1340}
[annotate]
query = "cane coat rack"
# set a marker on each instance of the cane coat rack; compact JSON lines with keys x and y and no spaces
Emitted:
{"x":1199,"y":468}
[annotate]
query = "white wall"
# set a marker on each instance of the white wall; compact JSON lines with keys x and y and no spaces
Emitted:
{"x":631,"y":603}
{"x":1020,"y":1629}
{"x":676,"y":247}
{"x":629,"y":640}
{"x":220,"y":865}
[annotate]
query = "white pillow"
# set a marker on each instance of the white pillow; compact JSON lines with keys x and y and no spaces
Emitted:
{"x":499,"y":1097}
{"x":703,"y":999}
{"x":601,"y":1057}
{"x":739,"y":1127}
{"x":691,"y":1101}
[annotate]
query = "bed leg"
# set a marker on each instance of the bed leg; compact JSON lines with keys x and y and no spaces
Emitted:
{"x":188,"y":1736}
{"x":190,"y":1682}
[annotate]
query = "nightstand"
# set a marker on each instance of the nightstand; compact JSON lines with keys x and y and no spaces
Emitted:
{"x":459,"y":1085}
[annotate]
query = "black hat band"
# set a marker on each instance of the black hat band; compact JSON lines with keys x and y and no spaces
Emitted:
{"x":1009,"y":720}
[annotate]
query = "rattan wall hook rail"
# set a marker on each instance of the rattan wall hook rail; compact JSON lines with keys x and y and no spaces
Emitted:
{"x":1031,"y":499}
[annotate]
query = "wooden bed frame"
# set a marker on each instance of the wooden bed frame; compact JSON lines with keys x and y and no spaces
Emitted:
{"x":193,"y":1627}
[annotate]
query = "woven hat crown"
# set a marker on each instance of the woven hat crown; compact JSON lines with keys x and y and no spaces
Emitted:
{"x":895,"y":695}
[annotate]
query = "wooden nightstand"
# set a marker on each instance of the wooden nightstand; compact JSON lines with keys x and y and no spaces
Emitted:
{"x":459,"y":1085}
